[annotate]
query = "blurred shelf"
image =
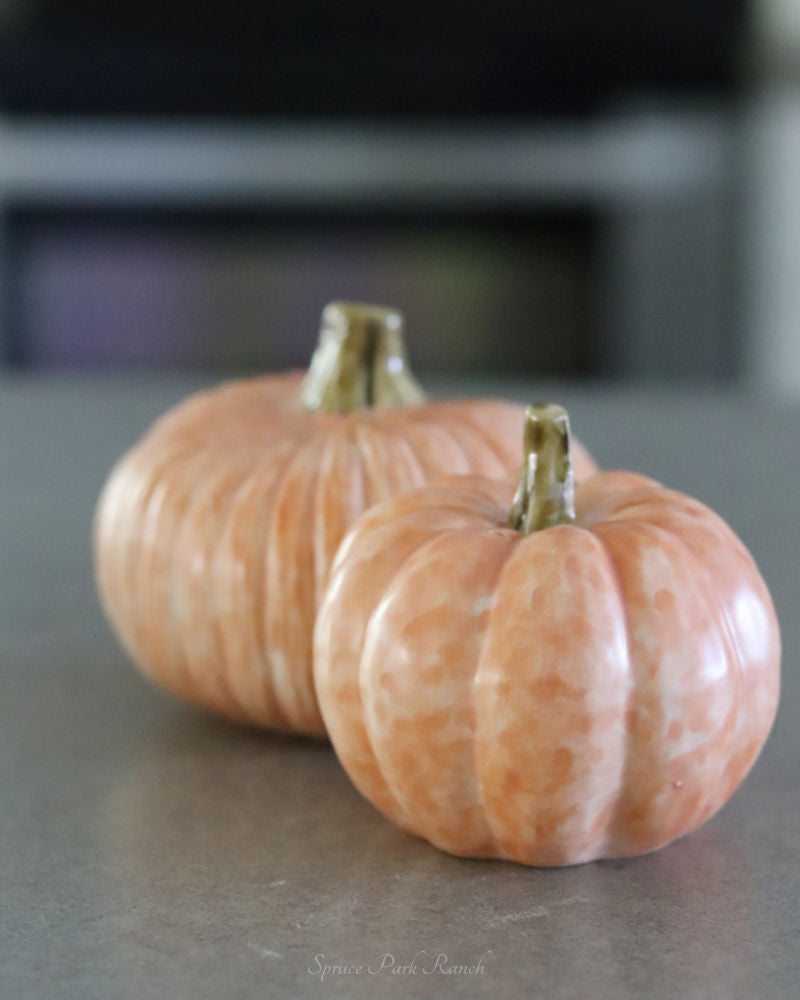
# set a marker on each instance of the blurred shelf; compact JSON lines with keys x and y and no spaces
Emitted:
{"x":619,"y":158}
{"x":655,"y":179}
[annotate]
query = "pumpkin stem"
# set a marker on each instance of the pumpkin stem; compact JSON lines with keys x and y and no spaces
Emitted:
{"x":360,"y":361}
{"x":546,"y":492}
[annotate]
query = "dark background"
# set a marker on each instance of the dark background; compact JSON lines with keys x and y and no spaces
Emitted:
{"x":419,"y":57}
{"x":598,"y":279}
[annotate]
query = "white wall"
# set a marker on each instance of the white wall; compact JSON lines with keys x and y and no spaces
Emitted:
{"x":771,"y":203}
{"x":771,"y":235}
{"x":778,"y":24}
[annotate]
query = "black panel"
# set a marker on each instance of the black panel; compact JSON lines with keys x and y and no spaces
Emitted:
{"x":314,"y":58}
{"x":494,"y":292}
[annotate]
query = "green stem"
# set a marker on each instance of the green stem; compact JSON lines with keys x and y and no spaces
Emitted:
{"x":546,"y":492}
{"x":360,"y":361}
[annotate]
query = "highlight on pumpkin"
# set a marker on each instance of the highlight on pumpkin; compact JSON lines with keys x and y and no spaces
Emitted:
{"x":360,"y":361}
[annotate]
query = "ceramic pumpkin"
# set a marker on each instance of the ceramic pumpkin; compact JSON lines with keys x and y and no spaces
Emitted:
{"x":545,"y":679}
{"x":215,"y":533}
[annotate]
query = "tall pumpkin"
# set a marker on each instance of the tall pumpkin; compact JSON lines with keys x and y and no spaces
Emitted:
{"x":215,"y":533}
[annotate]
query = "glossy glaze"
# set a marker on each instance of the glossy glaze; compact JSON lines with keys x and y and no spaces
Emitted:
{"x":586,"y":691}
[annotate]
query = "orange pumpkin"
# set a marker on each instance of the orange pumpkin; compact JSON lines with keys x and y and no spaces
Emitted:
{"x":215,"y":533}
{"x":546,"y":682}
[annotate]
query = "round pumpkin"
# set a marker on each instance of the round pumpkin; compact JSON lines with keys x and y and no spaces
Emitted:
{"x":541,"y":680}
{"x":215,"y":533}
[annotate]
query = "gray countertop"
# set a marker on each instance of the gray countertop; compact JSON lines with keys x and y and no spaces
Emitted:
{"x":151,"y":851}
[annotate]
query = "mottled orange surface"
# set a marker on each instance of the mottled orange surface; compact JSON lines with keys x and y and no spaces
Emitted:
{"x":215,"y":533}
{"x":587,"y":691}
